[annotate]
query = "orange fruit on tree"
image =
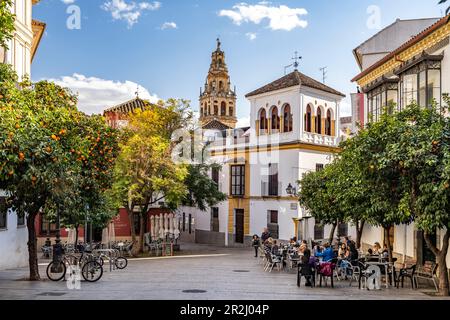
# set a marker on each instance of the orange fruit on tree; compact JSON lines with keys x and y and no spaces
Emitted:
{"x":21,"y":156}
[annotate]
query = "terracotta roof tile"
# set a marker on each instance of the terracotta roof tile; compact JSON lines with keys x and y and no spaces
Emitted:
{"x":442,"y":22}
{"x":128,"y":106}
{"x":216,"y":125}
{"x":294,"y":79}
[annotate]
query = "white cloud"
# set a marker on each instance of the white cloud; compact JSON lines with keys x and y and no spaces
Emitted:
{"x":280,"y":18}
{"x":68,"y":1}
{"x":95,"y":94}
{"x":251,"y":35}
{"x":169,"y":25}
{"x":243,"y":122}
{"x":129,"y":11}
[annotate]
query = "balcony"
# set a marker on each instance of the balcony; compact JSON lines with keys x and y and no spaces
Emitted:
{"x":271,"y":189}
{"x":319,"y":139}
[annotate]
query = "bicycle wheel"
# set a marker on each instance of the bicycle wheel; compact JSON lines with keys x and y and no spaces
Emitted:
{"x":56,"y":271}
{"x":121,"y":263}
{"x":92,"y":271}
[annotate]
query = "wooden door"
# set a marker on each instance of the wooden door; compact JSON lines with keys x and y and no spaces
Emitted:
{"x":239,"y":225}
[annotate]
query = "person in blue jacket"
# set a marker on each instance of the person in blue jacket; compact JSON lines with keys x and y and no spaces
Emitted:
{"x":327,"y":253}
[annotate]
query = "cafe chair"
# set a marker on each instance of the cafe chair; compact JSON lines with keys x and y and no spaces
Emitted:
{"x":308,"y":272}
{"x":407,"y":273}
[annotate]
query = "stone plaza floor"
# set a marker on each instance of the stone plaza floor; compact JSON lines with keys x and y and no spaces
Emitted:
{"x":201,"y":272}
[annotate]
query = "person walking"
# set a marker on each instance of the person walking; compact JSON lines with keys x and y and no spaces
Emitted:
{"x":256,"y":244}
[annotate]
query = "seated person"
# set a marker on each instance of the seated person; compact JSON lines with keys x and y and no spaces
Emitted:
{"x":377,"y":248}
{"x":47,"y":243}
{"x":342,"y":252}
{"x":308,"y":262}
{"x":385,"y":252}
{"x":275,"y":249}
{"x":327,"y":254}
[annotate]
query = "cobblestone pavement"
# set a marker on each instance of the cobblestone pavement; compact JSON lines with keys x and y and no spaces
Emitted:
{"x":211,"y":272}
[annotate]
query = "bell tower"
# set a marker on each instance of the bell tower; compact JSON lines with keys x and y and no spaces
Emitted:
{"x":217,"y":99}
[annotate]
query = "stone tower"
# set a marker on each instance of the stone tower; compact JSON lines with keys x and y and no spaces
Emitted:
{"x":217,"y":100}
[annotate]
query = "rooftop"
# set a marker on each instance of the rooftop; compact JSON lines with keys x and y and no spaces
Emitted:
{"x":417,"y":38}
{"x":293,"y":79}
{"x":128,"y":106}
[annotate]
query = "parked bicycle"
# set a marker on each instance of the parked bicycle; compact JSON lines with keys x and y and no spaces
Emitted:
{"x":91,"y":269}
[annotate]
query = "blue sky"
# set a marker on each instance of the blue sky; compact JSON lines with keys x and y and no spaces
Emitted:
{"x":122,"y":43}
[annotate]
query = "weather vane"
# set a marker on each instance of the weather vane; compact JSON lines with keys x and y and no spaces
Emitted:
{"x":218,"y":42}
{"x":296,"y":63}
{"x":137,"y":92}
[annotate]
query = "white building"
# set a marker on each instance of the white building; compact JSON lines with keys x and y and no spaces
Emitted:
{"x":13,"y":232}
{"x":416,"y":68}
{"x":294,"y":129}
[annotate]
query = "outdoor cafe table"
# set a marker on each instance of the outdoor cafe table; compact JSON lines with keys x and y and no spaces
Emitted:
{"x":386,"y":266}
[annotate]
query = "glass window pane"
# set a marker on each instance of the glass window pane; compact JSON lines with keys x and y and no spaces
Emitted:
{"x":422,"y":89}
{"x":434,"y":86}
{"x":409,"y":89}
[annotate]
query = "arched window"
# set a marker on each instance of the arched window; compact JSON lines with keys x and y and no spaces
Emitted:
{"x":223,"y":108}
{"x":201,"y":111}
{"x":275,"y":125}
{"x":308,"y":117}
{"x":231,"y":112}
{"x":287,"y":118}
{"x":216,"y":110}
{"x":319,"y":121}
{"x":220,"y":85}
{"x":328,"y":123}
{"x":262,"y":121}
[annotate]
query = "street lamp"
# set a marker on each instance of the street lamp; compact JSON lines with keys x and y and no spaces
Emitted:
{"x":291,"y":190}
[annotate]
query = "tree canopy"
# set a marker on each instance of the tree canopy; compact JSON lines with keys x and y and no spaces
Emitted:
{"x":53,"y":158}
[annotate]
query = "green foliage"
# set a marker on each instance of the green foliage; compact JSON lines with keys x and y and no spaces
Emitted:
{"x":203,"y":192}
{"x":448,"y":9}
{"x":6,"y":23}
{"x":53,"y":157}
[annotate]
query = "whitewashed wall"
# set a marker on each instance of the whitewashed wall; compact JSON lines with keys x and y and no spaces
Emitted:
{"x":19,"y":54}
{"x":279,"y":99}
{"x":445,"y":69}
{"x":371,"y":235}
{"x":258,"y":217}
{"x":13,"y":244}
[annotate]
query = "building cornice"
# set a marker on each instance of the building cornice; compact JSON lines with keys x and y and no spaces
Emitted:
{"x":415,"y":46}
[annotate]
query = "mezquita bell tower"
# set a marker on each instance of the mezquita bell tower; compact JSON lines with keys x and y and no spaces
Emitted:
{"x":217,"y":100}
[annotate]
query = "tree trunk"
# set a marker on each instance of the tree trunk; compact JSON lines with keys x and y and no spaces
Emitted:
{"x":359,"y":231}
{"x":388,"y":242}
{"x":76,"y":235}
{"x":141,"y":233}
{"x":333,"y":229}
{"x":132,"y":230}
{"x":441,"y":259}
{"x":32,"y":248}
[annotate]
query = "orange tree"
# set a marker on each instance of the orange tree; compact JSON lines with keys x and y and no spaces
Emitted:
{"x":86,"y":194}
{"x":145,"y":173}
{"x":45,"y":152}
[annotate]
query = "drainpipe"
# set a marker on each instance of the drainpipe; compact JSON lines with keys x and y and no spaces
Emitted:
{"x":404,"y":245}
{"x":226,"y":231}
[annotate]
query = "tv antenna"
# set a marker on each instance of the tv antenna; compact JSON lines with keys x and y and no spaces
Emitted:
{"x":296,"y":63}
{"x":324,"y":73}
